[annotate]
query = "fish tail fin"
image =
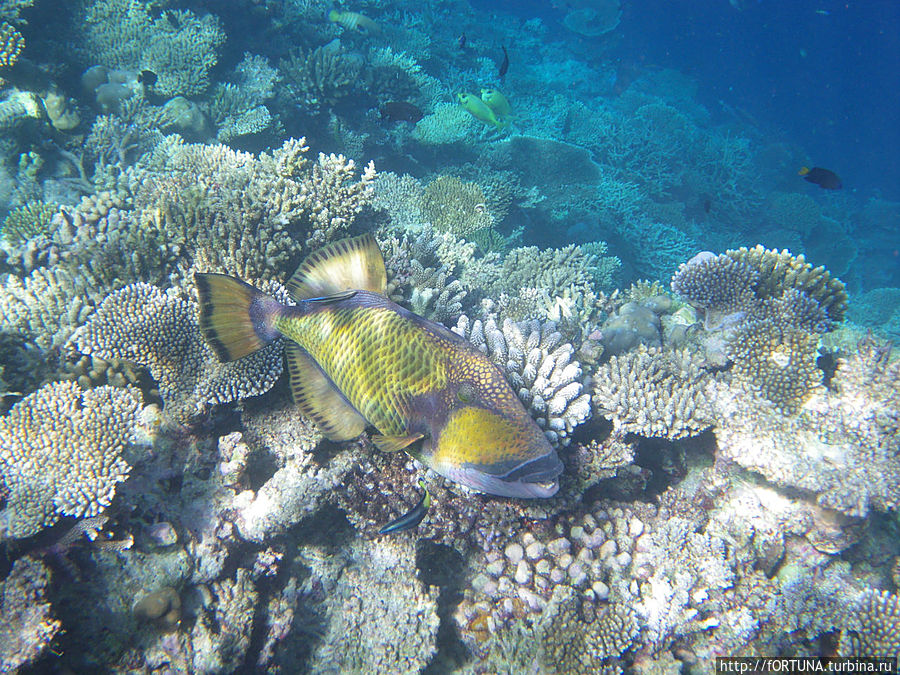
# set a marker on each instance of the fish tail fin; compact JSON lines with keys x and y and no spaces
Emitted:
{"x":236,"y":318}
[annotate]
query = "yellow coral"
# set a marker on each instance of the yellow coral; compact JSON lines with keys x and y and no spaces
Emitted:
{"x":11,"y":44}
{"x":28,"y":221}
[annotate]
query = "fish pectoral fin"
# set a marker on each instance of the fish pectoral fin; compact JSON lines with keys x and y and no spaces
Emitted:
{"x":395,"y":443}
{"x":319,"y":399}
{"x":355,"y":263}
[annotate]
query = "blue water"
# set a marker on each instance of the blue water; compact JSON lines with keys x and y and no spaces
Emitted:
{"x":822,"y":73}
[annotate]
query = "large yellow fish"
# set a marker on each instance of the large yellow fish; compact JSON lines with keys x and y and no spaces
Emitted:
{"x":356,"y":359}
{"x":478,"y":109}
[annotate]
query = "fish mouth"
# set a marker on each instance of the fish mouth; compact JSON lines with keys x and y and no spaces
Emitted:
{"x":536,"y":478}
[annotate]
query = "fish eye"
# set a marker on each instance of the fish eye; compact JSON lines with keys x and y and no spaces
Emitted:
{"x":466,"y":393}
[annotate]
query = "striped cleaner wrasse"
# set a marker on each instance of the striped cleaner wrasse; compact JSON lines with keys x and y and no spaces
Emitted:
{"x":358,"y":360}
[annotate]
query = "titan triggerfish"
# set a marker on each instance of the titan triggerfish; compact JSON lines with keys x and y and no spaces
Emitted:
{"x":356,"y":359}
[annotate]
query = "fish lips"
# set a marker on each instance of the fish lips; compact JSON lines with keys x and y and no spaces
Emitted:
{"x":534,"y":478}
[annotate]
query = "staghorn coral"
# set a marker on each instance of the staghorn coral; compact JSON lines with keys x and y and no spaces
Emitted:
{"x":236,"y":108}
{"x":11,"y":45}
{"x":842,"y":445}
{"x":378,"y":616}
{"x":452,"y":205}
{"x":540,"y":367}
{"x":60,"y":453}
{"x":27,"y":222}
{"x":655,"y":393}
{"x":9,"y":9}
{"x":28,"y":625}
{"x":159,"y":330}
{"x":320,"y":78}
{"x":180,"y":50}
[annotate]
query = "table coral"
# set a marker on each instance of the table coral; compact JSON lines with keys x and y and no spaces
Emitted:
{"x":61,"y":453}
{"x":159,"y":330}
{"x":720,"y":286}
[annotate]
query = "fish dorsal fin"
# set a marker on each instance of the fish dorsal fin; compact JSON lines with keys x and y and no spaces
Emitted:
{"x":319,"y":399}
{"x":394,"y":443}
{"x":348,"y":264}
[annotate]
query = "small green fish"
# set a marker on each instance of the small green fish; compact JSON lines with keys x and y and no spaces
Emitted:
{"x":356,"y":359}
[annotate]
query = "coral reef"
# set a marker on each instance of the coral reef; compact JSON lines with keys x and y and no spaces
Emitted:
{"x":179,"y":46}
{"x":540,"y":367}
{"x":454,"y":206}
{"x":28,"y":625}
{"x":61,"y":453}
{"x":655,"y":393}
{"x":159,"y":330}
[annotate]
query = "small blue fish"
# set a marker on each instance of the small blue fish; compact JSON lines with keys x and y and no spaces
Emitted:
{"x":413,"y":517}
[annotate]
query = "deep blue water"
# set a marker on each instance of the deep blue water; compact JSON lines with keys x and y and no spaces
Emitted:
{"x":822,"y":73}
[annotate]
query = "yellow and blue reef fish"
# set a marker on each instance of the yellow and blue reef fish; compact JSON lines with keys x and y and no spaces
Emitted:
{"x":354,"y":21}
{"x":478,"y":109}
{"x":356,"y":359}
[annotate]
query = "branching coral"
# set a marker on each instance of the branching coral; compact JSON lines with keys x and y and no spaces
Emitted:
{"x":655,"y":393}
{"x":28,"y":221}
{"x":540,"y":367}
{"x":842,"y":445}
{"x":778,"y":362}
{"x":159,"y":330}
{"x":320,"y":78}
{"x":720,"y":286}
{"x":178,"y":46}
{"x":780,"y":271}
{"x":420,"y":271}
{"x":237,"y":107}
{"x":61,"y":453}
{"x":873,"y":626}
{"x":570,"y":643}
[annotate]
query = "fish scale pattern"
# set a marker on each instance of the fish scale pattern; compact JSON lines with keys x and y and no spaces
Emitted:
{"x":377,"y":358}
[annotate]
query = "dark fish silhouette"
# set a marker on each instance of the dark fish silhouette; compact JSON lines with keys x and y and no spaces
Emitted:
{"x":824,"y":178}
{"x":147,"y":77}
{"x":461,"y":41}
{"x":412,"y":517}
{"x":400,"y":111}
{"x":504,"y":66}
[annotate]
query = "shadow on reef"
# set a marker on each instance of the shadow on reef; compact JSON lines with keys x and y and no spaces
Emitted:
{"x":443,"y":566}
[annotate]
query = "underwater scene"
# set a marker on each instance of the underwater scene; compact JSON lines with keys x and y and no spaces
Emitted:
{"x":449,"y":337}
